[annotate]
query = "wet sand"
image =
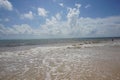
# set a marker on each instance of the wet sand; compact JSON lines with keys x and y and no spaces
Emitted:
{"x":78,"y":61}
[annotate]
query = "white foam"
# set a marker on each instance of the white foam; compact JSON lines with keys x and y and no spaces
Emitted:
{"x":52,"y":59}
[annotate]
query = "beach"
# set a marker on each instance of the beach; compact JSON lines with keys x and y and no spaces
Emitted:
{"x":87,"y":60}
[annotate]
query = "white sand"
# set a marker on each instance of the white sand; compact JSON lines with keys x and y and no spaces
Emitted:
{"x":93,"y":61}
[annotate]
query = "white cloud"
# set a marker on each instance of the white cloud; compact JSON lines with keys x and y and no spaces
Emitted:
{"x":28,"y":15}
{"x":108,"y":26}
{"x":80,"y":26}
{"x":78,"y":5}
{"x":72,"y":18}
{"x":42,"y":12}
{"x":6,"y":4}
{"x":73,"y":26}
{"x":61,"y":4}
{"x":87,"y":6}
{"x":16,"y":29}
{"x":58,"y":16}
{"x":54,"y":27}
{"x":23,"y":29}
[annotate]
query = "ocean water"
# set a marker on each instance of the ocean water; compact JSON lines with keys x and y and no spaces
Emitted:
{"x":28,"y":42}
{"x":98,"y":61}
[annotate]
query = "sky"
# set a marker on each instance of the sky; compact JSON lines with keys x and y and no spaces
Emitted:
{"x":24,"y":19}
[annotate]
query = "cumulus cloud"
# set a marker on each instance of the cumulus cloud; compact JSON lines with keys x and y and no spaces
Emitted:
{"x":73,"y":26}
{"x":61,"y":4}
{"x":6,"y":4}
{"x":87,"y":6}
{"x":23,"y":29}
{"x":28,"y":15}
{"x":84,"y":27}
{"x":58,"y":16}
{"x":52,"y":26}
{"x":78,"y":5}
{"x":16,"y":29}
{"x":80,"y":26}
{"x":42,"y":12}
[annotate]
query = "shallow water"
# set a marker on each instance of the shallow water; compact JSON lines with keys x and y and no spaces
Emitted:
{"x":61,"y":63}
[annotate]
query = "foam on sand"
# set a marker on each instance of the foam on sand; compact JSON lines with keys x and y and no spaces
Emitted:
{"x":98,"y":61}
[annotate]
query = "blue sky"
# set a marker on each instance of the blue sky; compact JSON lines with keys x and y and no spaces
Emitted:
{"x":59,"y":18}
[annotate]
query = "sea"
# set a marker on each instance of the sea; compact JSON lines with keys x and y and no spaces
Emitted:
{"x":23,"y":60}
{"x":41,"y":42}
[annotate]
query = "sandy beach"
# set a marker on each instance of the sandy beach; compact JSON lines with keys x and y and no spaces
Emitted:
{"x":75,"y":61}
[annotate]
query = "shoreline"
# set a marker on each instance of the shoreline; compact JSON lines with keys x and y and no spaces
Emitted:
{"x":84,"y":42}
{"x":73,"y":61}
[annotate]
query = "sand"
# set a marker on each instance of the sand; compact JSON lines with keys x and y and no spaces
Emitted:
{"x":78,"y":61}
